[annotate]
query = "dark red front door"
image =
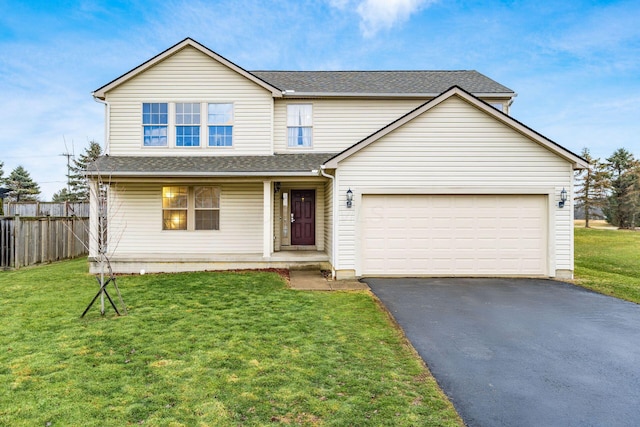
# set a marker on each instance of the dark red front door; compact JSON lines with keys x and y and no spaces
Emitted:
{"x":303,"y":210}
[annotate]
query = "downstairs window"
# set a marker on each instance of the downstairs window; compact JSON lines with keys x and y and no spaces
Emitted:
{"x":190,"y":208}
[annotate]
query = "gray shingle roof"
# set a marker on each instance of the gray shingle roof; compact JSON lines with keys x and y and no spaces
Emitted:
{"x":381,"y":82}
{"x":278,"y":164}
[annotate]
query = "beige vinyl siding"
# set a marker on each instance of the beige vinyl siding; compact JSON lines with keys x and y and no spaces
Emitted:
{"x":340,"y":123}
{"x":136,"y":224}
{"x":328,"y":218}
{"x":459,"y":149}
{"x":191,"y":76}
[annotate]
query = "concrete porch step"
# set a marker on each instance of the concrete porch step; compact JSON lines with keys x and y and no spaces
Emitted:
{"x":313,"y":280}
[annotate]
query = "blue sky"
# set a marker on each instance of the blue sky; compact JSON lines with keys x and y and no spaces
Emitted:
{"x":574,"y":64}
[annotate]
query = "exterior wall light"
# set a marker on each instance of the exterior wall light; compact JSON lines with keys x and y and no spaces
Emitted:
{"x":563,"y":198}
{"x":349,"y":198}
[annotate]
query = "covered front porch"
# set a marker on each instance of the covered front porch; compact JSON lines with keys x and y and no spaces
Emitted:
{"x":274,"y":218}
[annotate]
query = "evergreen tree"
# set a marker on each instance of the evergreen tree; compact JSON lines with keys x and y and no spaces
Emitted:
{"x":21,"y":187}
{"x":61,"y":196}
{"x":593,"y":184}
{"x":79,"y":185}
{"x":624,"y":201}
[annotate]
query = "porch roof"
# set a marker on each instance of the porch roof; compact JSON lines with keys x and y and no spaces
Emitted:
{"x":299,"y":164}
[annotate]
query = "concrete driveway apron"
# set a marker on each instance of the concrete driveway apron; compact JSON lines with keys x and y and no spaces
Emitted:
{"x":523,"y":352}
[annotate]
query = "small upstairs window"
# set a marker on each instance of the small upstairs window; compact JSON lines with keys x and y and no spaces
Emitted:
{"x":220,"y":122}
{"x":299,"y":125}
{"x":498,"y":106}
{"x":187,"y":125}
{"x":155,"y":121}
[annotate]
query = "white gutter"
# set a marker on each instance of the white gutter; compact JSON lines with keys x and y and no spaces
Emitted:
{"x":294,"y":94}
{"x":206,"y":174}
{"x":107,"y":130}
{"x":334,"y":213}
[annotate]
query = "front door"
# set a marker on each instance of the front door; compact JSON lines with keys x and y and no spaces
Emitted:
{"x":303,"y":217}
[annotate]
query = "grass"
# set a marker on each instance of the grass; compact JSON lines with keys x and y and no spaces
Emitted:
{"x":208,"y":349}
{"x":608,"y":261}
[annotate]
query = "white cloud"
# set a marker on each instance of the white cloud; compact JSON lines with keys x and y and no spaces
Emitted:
{"x":379,"y":15}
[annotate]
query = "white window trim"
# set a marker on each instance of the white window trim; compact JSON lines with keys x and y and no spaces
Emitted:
{"x":297,"y":147}
{"x":204,"y":126}
{"x":169,"y":129}
{"x":233,"y":126}
{"x":191,"y":208}
{"x":163,"y":210}
{"x":175,"y":126}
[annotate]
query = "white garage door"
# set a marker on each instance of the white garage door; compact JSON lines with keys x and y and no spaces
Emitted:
{"x":457,"y":235}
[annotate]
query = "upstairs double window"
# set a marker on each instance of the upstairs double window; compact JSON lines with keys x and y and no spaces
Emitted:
{"x":181,"y":124}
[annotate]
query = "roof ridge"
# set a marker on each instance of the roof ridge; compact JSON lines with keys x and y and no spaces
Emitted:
{"x":361,"y":71}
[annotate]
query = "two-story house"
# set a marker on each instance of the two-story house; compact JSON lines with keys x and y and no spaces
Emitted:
{"x":367,"y":173}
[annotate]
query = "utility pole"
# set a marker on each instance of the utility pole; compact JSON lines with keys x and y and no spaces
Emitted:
{"x":68,"y":156}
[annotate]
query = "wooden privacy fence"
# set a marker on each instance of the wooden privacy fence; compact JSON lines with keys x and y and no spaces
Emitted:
{"x":27,"y":241}
{"x":79,"y":209}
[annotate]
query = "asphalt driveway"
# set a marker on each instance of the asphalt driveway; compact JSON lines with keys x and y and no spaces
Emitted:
{"x":523,"y":352}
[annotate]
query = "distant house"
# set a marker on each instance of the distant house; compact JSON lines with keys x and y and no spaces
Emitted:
{"x":365,"y":173}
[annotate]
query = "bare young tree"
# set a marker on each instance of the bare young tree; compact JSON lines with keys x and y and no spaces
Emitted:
{"x":103,"y":238}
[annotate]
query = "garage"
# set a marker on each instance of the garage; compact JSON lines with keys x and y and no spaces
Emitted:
{"x":453,"y":235}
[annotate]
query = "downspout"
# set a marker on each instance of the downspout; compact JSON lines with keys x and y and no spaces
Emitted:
{"x":107,"y":129}
{"x":334,"y":213}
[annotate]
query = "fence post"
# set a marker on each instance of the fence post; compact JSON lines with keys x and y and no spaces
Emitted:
{"x":17,"y":240}
{"x":13,"y":243}
{"x":6,"y":246}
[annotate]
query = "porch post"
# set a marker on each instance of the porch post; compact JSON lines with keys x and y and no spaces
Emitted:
{"x":267,"y":241}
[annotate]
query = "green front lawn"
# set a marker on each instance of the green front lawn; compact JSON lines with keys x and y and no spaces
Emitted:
{"x":210,"y":349}
{"x":608,"y":261}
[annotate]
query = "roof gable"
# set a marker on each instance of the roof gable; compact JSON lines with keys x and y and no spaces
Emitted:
{"x":100,"y":93}
{"x":576,"y":161}
{"x":409,"y":83}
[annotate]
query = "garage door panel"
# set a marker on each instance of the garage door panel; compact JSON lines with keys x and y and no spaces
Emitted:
{"x":454,"y":235}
